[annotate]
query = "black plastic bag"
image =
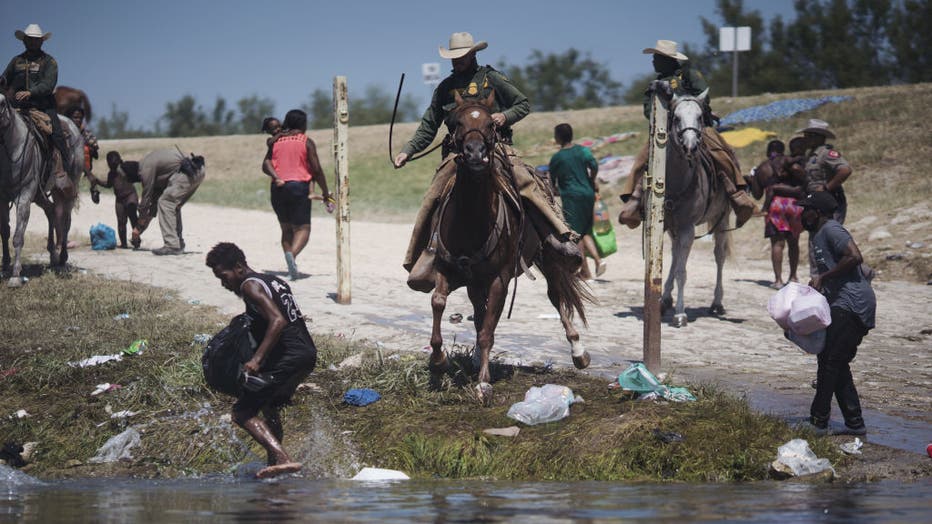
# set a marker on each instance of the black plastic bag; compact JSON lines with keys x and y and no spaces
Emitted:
{"x":225,"y":355}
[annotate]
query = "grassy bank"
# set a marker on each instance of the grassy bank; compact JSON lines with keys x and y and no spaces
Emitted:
{"x":426,"y":430}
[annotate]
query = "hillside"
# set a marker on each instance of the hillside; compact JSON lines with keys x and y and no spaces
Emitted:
{"x":880,"y":131}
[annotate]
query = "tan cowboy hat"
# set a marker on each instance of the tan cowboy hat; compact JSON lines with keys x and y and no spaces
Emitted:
{"x":32,"y":31}
{"x":666,"y":48}
{"x":461,"y":44}
{"x":819,"y":127}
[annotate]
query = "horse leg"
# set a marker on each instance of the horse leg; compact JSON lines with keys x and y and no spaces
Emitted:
{"x":666,"y":300}
{"x":50,"y":240}
{"x":438,"y":362}
{"x":479,"y":297}
{"x":485,"y":337}
{"x":681,"y":248}
{"x":23,"y":203}
{"x":5,"y":236}
{"x":62,"y":226}
{"x":720,"y":251}
{"x":580,"y":356}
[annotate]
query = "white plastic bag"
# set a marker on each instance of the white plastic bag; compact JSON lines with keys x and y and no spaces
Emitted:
{"x":809,"y":312}
{"x":542,"y":404}
{"x":117,"y":447}
{"x":798,"y":458}
{"x":780,"y":303}
{"x":812,"y":343}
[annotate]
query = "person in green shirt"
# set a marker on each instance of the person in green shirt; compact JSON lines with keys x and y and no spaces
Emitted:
{"x":469,"y":79}
{"x":32,"y":76}
{"x":573,"y":170}
{"x":675,"y":75}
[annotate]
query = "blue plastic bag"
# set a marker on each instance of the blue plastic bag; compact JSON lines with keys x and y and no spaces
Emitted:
{"x":103,"y":237}
{"x":361,"y":397}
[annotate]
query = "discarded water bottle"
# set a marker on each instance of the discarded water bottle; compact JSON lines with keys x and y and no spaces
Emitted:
{"x":601,"y":222}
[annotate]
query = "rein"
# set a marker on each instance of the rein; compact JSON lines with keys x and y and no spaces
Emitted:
{"x":391,"y":128}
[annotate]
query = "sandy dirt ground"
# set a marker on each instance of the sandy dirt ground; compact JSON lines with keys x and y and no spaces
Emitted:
{"x":744,"y":349}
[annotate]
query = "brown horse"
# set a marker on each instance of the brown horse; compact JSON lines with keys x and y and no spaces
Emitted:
{"x":479,"y":234}
{"x":68,"y":97}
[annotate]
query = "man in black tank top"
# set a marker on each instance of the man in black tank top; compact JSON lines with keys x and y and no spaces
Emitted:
{"x":285,"y":356}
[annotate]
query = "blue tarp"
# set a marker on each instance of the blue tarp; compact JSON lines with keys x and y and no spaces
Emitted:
{"x":778,"y":109}
{"x":361,"y":397}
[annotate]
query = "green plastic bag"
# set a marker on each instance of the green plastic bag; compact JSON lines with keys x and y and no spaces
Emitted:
{"x":605,"y":242}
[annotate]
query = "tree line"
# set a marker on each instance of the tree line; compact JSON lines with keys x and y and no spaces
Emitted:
{"x":828,"y":44}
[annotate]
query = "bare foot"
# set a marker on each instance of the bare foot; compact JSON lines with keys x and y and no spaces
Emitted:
{"x":278,"y":469}
{"x":777,"y":285}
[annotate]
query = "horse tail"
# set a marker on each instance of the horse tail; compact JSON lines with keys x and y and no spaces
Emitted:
{"x":566,"y":289}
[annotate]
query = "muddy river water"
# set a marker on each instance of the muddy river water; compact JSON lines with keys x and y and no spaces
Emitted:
{"x":228,"y":499}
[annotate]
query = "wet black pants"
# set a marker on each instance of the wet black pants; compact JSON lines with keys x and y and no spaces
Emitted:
{"x":834,"y":375}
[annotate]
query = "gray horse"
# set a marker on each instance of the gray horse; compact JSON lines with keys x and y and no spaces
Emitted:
{"x":693,"y":197}
{"x":20,"y":179}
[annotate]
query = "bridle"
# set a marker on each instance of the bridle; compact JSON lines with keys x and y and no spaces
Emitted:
{"x":678,"y":135}
{"x":489,"y":136}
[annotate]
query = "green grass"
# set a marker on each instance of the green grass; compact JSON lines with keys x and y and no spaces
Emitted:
{"x":424,"y":426}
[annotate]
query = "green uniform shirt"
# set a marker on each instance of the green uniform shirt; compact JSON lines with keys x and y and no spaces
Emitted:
{"x":474,"y":84}
{"x":822,"y":165}
{"x":36,"y":72}
{"x":684,"y":80}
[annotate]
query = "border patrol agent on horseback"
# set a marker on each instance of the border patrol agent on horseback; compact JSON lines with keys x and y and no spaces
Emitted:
{"x":473,"y":81}
{"x":676,"y":75}
{"x":32,"y":77}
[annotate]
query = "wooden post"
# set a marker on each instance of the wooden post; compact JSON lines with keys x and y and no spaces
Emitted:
{"x":653,"y":185}
{"x":341,"y":171}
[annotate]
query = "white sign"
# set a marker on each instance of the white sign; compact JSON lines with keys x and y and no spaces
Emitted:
{"x":734,"y":39}
{"x":431,"y":72}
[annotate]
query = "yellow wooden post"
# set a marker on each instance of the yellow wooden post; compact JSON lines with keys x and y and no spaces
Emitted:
{"x":341,"y":171}
{"x":654,"y":182}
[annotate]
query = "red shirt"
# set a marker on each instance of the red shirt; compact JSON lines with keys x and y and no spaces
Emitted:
{"x":289,"y":158}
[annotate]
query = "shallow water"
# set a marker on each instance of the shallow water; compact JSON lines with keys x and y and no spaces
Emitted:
{"x":223,"y":499}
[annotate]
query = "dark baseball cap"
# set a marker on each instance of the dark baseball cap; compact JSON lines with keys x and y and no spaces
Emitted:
{"x":821,"y":201}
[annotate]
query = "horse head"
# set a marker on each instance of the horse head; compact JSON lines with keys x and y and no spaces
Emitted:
{"x":474,"y":137}
{"x":687,"y":124}
{"x":6,"y":112}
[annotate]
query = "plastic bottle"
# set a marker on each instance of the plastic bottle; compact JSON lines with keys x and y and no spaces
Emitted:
{"x":601,"y":223}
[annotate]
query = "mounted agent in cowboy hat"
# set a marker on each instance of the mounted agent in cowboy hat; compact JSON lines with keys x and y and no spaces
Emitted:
{"x":676,"y":76}
{"x":826,"y":169}
{"x":31,"y":77}
{"x":469,"y":80}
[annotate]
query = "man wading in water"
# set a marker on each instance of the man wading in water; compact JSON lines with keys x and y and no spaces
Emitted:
{"x":286,"y":354}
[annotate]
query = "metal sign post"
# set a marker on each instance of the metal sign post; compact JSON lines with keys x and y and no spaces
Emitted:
{"x":654,"y":185}
{"x":734,"y":39}
{"x":341,"y":171}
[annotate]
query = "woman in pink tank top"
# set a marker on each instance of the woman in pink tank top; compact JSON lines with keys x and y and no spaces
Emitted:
{"x":292,"y":163}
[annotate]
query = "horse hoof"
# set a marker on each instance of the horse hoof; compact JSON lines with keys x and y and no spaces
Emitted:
{"x":484,"y":393}
{"x":582,"y":361}
{"x":438,"y":368}
{"x":15,"y":282}
{"x":717,"y":310}
{"x":680,"y":320}
{"x":666,"y":304}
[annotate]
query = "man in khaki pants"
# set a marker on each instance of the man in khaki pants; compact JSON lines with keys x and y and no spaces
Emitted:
{"x":168,"y":180}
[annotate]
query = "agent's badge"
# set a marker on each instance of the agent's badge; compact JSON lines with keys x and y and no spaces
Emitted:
{"x":473,"y":89}
{"x":674,"y":84}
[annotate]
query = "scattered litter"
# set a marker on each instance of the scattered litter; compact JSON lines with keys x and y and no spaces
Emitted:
{"x":795,"y":459}
{"x":194,"y":301}
{"x":549,"y":316}
{"x":352,"y":361}
{"x":639,"y":379}
{"x":95,"y":360}
{"x":121,"y":316}
{"x":8,"y":372}
{"x":896,"y":256}
{"x":915,"y":245}
{"x":510,"y":431}
{"x":137,"y":347}
{"x":29,"y":449}
{"x":667,"y":437}
{"x":202,"y":338}
{"x":106,"y":387}
{"x":309,"y":386}
{"x":72,"y":329}
{"x":853,"y":447}
{"x":371,"y":474}
{"x":124,"y":414}
{"x":117,"y":447}
{"x":361,"y":396}
{"x":456,"y":318}
{"x":22,"y":414}
{"x":226,"y":417}
{"x":542,"y":404}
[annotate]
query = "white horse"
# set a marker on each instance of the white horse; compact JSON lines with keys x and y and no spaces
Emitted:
{"x":20,"y":186}
{"x":694,"y":196}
